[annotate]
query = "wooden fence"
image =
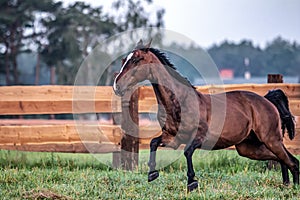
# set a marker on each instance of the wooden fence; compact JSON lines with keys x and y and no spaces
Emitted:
{"x":81,"y":136}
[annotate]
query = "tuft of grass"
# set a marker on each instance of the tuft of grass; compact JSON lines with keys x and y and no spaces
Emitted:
{"x":43,"y":194}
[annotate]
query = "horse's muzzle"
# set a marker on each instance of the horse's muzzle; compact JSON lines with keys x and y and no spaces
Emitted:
{"x":117,"y":90}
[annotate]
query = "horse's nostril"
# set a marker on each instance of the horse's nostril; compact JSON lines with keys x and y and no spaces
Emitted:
{"x":117,"y":90}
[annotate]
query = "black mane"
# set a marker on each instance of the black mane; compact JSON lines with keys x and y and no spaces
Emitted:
{"x":170,"y":67}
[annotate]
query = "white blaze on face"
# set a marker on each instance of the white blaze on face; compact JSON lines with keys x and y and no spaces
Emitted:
{"x":127,"y":59}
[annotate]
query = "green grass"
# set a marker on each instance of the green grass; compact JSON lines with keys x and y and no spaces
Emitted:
{"x":221,"y":175}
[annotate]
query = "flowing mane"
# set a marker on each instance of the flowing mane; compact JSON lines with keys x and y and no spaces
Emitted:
{"x":170,"y":67}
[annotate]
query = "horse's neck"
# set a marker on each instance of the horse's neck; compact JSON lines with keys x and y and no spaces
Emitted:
{"x":165,"y":96}
{"x":182,"y":104}
{"x":170,"y":116}
{"x":169,"y":85}
{"x":167,"y":89}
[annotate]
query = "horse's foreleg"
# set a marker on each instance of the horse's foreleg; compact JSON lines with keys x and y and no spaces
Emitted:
{"x":153,"y":174}
{"x":188,"y":153}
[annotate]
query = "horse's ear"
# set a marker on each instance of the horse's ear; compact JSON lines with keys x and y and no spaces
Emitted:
{"x":140,"y":43}
{"x":147,"y":46}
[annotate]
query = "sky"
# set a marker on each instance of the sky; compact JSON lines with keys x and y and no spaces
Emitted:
{"x":209,"y":22}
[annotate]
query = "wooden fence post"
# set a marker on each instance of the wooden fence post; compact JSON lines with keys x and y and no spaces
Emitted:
{"x":116,"y":156}
{"x":130,"y":127}
{"x":274,"y":78}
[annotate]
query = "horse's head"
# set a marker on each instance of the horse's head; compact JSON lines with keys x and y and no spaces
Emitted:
{"x":135,"y":68}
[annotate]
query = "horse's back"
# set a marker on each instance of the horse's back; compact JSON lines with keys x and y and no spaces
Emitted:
{"x":245,"y":111}
{"x":256,"y":107}
{"x":250,"y":100}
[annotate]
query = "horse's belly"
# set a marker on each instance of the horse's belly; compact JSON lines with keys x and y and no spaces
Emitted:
{"x":216,"y":145}
{"x":224,"y":140}
{"x":221,"y":145}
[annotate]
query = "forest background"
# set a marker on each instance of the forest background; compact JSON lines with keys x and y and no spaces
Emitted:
{"x":44,"y":42}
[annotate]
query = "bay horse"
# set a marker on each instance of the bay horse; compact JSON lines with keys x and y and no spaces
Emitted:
{"x":252,"y":122}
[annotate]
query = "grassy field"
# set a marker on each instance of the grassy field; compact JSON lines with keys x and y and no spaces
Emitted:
{"x":221,"y":175}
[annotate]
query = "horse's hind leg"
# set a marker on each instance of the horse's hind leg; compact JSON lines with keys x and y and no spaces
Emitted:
{"x":296,"y":172}
{"x":153,"y":174}
{"x":286,"y":157}
{"x":285,"y":174}
{"x":256,"y":150}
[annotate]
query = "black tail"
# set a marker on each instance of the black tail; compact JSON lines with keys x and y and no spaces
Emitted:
{"x":280,"y":100}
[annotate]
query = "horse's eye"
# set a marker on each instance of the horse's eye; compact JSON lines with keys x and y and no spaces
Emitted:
{"x":136,"y":60}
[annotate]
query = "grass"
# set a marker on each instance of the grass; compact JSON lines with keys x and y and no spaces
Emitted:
{"x":221,"y":175}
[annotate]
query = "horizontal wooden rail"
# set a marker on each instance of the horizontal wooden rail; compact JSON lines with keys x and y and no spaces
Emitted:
{"x":83,"y":137}
{"x":61,"y":138}
{"x":25,"y":100}
{"x":150,"y":106}
{"x":71,"y":147}
{"x":291,"y":90}
{"x":79,"y":138}
{"x":148,"y":101}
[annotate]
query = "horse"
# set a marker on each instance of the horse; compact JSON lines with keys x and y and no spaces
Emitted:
{"x":252,"y":122}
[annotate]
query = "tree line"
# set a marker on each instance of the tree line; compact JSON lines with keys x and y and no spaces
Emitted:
{"x":63,"y":35}
{"x":278,"y":56}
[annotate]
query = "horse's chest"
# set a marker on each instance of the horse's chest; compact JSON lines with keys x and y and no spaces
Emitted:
{"x":177,"y":121}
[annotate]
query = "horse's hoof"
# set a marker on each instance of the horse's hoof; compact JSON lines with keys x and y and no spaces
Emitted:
{"x":192,"y":186}
{"x":286,"y":183}
{"x":153,"y":175}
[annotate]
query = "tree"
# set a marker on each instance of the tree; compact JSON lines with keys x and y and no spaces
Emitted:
{"x":73,"y":31}
{"x":231,"y":56}
{"x":282,"y":57}
{"x":279,"y":56}
{"x":129,"y":15}
{"x":16,"y":23}
{"x":62,"y":36}
{"x":132,"y":14}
